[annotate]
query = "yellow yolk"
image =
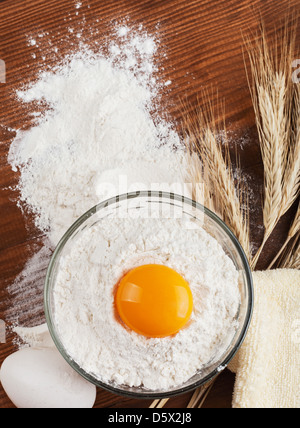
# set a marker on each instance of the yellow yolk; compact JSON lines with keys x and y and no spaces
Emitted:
{"x":154,"y":300}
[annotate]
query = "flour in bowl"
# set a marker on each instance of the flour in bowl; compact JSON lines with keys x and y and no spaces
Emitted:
{"x":84,"y":310}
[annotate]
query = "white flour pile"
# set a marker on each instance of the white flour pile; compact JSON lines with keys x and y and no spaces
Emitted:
{"x":84,"y":301}
{"x":96,"y":138}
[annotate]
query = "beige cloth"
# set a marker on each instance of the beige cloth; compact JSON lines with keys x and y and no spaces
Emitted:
{"x":267,"y":366}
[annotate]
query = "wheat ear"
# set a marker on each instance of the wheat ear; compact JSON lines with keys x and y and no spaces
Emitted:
{"x":274,"y":100}
{"x":210,"y":164}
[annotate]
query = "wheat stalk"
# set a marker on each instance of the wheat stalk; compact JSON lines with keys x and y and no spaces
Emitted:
{"x":158,"y":404}
{"x":197,"y":399}
{"x":291,"y":258}
{"x":295,"y":228}
{"x":200,"y":395}
{"x":293,"y":232}
{"x":209,"y":165}
{"x":276,"y":105}
{"x":292,"y":171}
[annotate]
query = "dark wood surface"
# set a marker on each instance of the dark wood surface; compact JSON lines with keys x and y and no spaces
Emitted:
{"x":203,"y":40}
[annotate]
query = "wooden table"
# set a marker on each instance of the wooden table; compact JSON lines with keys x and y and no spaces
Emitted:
{"x":203,"y":41}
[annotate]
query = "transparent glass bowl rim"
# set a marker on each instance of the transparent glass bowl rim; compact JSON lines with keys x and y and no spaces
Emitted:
{"x":161,"y":196}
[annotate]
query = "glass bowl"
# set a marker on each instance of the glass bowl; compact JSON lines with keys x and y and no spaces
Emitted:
{"x":152,"y":204}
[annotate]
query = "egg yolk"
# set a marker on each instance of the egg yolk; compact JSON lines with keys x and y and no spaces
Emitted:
{"x":154,"y":300}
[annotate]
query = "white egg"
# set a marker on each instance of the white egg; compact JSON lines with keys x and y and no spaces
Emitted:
{"x":41,"y":378}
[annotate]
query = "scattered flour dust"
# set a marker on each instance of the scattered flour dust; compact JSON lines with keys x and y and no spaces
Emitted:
{"x":84,"y":301}
{"x":96,"y":138}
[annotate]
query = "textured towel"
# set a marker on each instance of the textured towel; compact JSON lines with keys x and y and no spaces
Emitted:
{"x":267,"y":366}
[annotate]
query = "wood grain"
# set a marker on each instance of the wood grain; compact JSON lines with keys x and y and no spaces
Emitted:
{"x":203,"y":42}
